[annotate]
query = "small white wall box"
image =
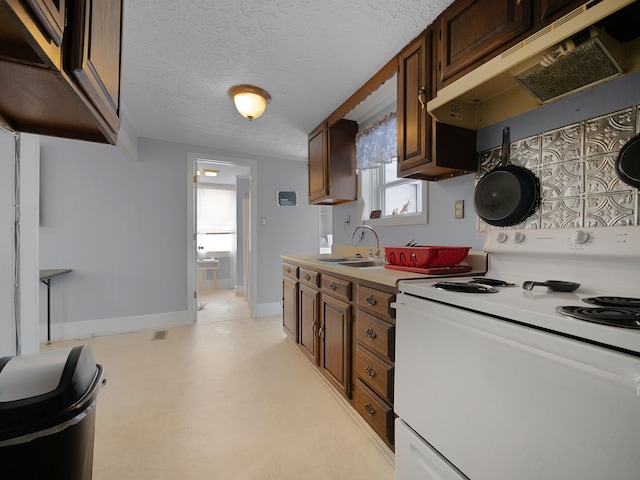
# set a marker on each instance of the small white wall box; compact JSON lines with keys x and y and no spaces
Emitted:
{"x":286,"y":199}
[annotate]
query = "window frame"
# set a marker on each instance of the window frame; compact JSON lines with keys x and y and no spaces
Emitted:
{"x":367,"y":182}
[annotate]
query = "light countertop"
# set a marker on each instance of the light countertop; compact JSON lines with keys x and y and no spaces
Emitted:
{"x":379,"y":274}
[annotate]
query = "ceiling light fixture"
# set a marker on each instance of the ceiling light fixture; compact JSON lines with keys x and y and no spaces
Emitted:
{"x":250,"y":101}
{"x":210,"y":173}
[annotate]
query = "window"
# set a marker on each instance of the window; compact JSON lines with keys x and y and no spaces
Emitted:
{"x":216,"y":208}
{"x":402,"y":201}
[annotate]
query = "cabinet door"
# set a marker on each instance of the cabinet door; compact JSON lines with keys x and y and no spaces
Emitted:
{"x":318,"y":164}
{"x":290,"y":307}
{"x":472,"y":29}
{"x":50,"y":15}
{"x":94,"y":60}
{"x":308,"y":325}
{"x":335,"y":343}
{"x":415,"y":89}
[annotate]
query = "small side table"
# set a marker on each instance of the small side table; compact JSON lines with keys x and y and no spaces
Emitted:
{"x":205,"y":264}
{"x":45,"y":277}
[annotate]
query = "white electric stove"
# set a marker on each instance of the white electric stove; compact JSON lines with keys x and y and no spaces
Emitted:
{"x":501,"y":385}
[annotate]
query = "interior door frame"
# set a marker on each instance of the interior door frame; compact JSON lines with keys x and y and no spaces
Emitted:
{"x":192,"y":250}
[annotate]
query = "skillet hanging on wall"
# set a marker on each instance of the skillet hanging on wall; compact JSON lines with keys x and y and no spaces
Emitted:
{"x":508,"y":194}
{"x":628,"y":162}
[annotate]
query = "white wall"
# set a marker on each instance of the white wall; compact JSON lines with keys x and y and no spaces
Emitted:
{"x":26,"y":312}
{"x":7,"y":329}
{"x":121,"y":226}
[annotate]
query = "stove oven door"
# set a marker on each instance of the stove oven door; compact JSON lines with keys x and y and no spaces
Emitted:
{"x":416,"y":459}
{"x":502,"y":401}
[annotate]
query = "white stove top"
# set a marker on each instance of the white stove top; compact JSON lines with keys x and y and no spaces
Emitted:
{"x":606,"y":262}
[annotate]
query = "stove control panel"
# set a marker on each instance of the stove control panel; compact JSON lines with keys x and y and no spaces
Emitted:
{"x":605,"y":242}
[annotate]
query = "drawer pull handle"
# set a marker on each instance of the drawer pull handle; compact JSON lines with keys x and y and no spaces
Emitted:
{"x":307,"y":277}
{"x":370,"y":410}
{"x":370,"y":333}
{"x":370,"y":371}
{"x":371,"y":300}
{"x":288,"y":270}
{"x":333,"y":286}
{"x":313,"y":327}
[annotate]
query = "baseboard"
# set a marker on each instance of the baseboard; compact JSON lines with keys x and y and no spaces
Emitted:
{"x":110,"y":326}
{"x":268,"y":309}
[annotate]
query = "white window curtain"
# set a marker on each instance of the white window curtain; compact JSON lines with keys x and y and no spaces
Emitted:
{"x":378,"y":143}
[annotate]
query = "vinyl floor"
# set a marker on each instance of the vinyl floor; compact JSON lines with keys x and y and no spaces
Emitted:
{"x":227,"y":398}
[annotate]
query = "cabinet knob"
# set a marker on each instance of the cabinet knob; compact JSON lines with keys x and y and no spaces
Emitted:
{"x":371,"y":300}
{"x":288,"y":270}
{"x":333,"y":286}
{"x":370,"y":410}
{"x":307,"y":277}
{"x":321,"y":333}
{"x":370,"y":371}
{"x":422,"y":97}
{"x":313,"y":327}
{"x":370,"y":333}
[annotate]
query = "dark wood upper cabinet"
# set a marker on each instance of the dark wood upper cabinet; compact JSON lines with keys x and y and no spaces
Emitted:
{"x":68,"y":89}
{"x":95,"y":53}
{"x":415,"y":88}
{"x":51,"y":17}
{"x":472,"y":32}
{"x":332,"y":163}
{"x":427,"y":150}
{"x":472,"y":29}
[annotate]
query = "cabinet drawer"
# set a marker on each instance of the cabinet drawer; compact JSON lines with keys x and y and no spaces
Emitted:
{"x":290,"y":271}
{"x":376,"y":301}
{"x":337,"y":287}
{"x":376,"y":335}
{"x":375,"y":373}
{"x":309,"y":277}
{"x":376,"y":413}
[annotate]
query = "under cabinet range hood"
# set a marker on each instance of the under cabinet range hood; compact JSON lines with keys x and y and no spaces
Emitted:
{"x":567,"y":56}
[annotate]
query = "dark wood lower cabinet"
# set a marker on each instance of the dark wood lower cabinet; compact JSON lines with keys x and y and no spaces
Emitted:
{"x":309,"y":304}
{"x":346,"y":327}
{"x":335,"y":343}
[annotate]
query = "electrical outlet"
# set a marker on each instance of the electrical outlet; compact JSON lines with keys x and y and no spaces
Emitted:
{"x":459,"y":209}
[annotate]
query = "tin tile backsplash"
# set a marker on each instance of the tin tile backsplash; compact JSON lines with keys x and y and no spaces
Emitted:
{"x":576,"y":168}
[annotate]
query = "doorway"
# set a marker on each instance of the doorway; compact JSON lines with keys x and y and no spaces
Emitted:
{"x":221,"y":239}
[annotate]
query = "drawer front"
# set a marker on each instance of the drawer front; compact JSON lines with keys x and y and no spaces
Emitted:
{"x":376,"y":301}
{"x":376,"y":413}
{"x":377,"y":374}
{"x":337,"y":287}
{"x":289,"y":270}
{"x":376,"y":335}
{"x":309,"y":277}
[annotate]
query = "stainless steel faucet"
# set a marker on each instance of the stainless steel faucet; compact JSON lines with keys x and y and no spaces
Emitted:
{"x":374,"y":233}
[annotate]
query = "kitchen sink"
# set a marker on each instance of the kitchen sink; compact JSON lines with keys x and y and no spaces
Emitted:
{"x":362,"y":263}
{"x":334,"y":259}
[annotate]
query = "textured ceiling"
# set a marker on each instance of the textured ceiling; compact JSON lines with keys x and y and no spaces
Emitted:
{"x":181,"y":57}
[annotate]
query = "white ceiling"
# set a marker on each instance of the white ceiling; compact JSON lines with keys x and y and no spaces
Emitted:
{"x":181,"y":57}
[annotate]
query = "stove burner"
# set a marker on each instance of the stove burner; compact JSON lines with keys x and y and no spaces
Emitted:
{"x":612,"y":316}
{"x":614,"y":301}
{"x":465,"y":287}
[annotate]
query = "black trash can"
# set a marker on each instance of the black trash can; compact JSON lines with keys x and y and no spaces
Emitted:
{"x":47,"y":414}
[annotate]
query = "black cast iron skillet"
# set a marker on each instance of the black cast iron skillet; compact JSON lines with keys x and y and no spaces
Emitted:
{"x":628,"y":162}
{"x":508,"y":194}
